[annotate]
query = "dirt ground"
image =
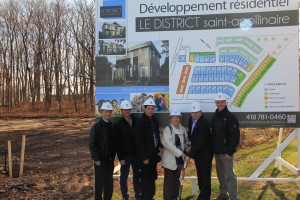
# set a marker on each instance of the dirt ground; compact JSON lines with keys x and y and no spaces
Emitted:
{"x":57,"y":159}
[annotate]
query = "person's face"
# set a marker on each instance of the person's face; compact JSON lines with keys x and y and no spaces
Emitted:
{"x":149,"y":110}
{"x":175,"y":120}
{"x":106,"y":114}
{"x":126,"y":112}
{"x":221,"y":105}
{"x":114,"y":103}
{"x":196,"y":115}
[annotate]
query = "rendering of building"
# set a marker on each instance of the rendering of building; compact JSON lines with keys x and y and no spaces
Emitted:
{"x":114,"y":30}
{"x":111,"y":48}
{"x":140,"y":67}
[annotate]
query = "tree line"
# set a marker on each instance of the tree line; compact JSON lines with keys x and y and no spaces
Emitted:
{"x":47,"y":52}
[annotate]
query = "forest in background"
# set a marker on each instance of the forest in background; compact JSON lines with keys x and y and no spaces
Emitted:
{"x":47,"y":57}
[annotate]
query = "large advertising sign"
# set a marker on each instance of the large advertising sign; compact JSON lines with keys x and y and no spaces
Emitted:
{"x":177,"y":52}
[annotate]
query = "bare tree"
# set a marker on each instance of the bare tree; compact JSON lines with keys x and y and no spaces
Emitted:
{"x":9,"y":17}
{"x":82,"y":27}
{"x":47,"y":49}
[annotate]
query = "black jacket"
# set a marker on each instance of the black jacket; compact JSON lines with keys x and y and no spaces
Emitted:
{"x":225,"y":132}
{"x":125,"y":138}
{"x":144,"y":139}
{"x":102,"y":141}
{"x":201,"y":142}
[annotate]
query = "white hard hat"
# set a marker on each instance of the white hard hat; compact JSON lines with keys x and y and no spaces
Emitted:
{"x":106,"y":106}
{"x":196,"y":107}
{"x":175,"y":112}
{"x":220,"y":97}
{"x":149,"y":102}
{"x":125,"y":105}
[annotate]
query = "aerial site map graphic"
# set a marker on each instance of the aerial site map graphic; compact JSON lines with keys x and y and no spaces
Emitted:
{"x":232,"y":65}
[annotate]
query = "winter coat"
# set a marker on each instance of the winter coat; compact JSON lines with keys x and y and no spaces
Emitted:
{"x":102,"y":141}
{"x":125,"y":137}
{"x":170,"y":150}
{"x":225,"y":132}
{"x":144,"y":139}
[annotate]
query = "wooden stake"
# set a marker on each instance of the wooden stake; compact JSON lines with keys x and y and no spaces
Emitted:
{"x":22,"y":155}
{"x":9,"y":159}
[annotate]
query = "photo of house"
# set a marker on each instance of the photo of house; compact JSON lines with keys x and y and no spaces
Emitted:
{"x":112,"y":30}
{"x":145,"y":64}
{"x":112,"y":47}
{"x":141,"y":65}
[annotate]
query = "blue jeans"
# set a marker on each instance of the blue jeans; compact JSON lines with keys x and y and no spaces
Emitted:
{"x":130,"y":160}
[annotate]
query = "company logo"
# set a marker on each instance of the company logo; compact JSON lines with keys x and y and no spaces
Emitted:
{"x":110,"y":11}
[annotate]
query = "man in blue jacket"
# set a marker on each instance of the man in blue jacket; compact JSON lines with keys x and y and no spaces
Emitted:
{"x":226,"y":137}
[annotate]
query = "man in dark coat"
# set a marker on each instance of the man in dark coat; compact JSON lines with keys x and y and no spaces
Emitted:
{"x":103,"y":152}
{"x":226,"y":137}
{"x":201,"y":150}
{"x":126,"y":150}
{"x":149,"y":148}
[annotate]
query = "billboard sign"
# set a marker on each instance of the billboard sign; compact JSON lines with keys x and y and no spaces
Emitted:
{"x":177,"y":52}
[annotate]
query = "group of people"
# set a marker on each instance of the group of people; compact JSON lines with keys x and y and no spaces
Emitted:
{"x":137,"y":143}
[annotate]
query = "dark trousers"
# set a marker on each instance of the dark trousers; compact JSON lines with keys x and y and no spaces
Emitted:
{"x":130,"y":160}
{"x":148,"y":177}
{"x":204,"y":181}
{"x":171,"y":183}
{"x":104,"y":180}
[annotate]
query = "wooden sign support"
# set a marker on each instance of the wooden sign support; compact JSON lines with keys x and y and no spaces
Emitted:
{"x":22,"y":156}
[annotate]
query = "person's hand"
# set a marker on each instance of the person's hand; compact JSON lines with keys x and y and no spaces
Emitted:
{"x":228,"y":157}
{"x":183,"y":156}
{"x":187,"y":146}
{"x":97,"y":163}
{"x":146,"y":162}
{"x":122,"y":162}
{"x":187,"y":160}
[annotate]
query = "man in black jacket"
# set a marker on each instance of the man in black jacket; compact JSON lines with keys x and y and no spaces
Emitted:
{"x":103,"y":152}
{"x":201,"y":150}
{"x":149,"y":148}
{"x":226,"y":136}
{"x":126,"y":150}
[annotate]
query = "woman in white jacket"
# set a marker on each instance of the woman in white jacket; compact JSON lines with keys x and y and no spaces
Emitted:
{"x":173,"y":139}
